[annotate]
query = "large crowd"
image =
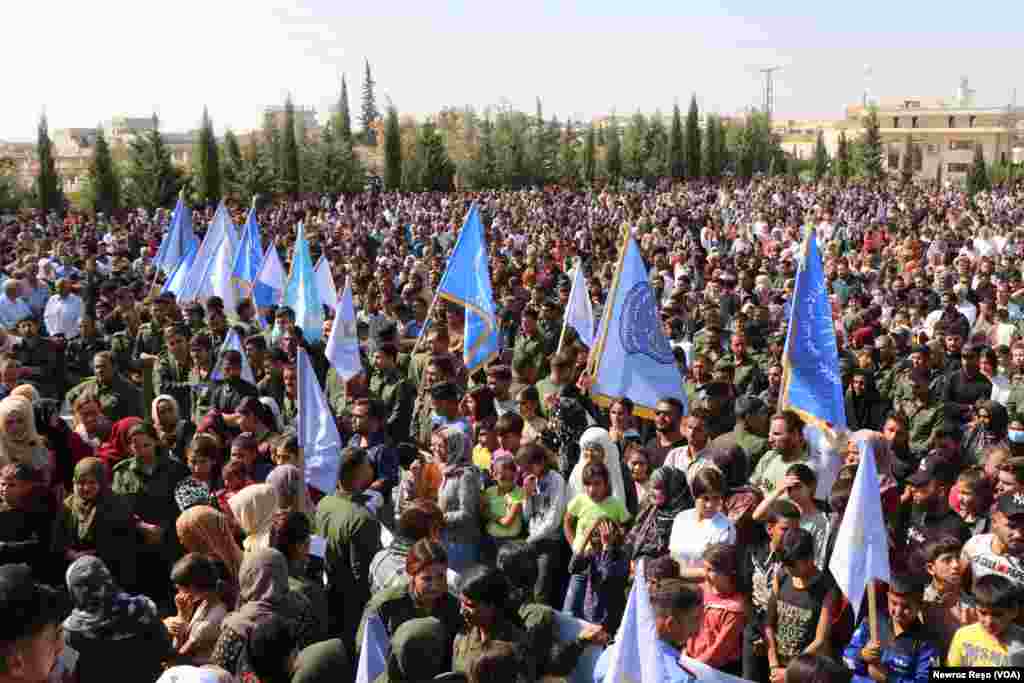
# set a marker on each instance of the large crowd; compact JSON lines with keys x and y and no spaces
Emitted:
{"x":155,"y":519}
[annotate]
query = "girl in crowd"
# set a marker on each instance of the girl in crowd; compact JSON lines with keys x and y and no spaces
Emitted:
{"x":202,"y":529}
{"x":459,"y":498}
{"x":253,"y":508}
{"x":195,"y":628}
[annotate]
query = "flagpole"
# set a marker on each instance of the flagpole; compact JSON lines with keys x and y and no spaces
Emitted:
{"x":872,"y":611}
{"x":426,"y":322}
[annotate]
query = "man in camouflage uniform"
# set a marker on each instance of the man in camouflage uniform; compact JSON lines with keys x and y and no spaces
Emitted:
{"x":150,"y":339}
{"x":392,"y":391}
{"x":923,"y":414}
{"x":174,"y":367}
{"x":748,"y":377}
{"x":531,"y":343}
{"x":118,"y":398}
{"x":201,"y":350}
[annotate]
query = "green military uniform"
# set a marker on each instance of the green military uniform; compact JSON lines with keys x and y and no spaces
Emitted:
{"x":702,"y":343}
{"x":752,"y":445}
{"x":118,"y":400}
{"x":422,"y":422}
{"x":536,"y":350}
{"x":921,"y":422}
{"x":417,"y":364}
{"x":173,"y":379}
{"x":1015,"y":402}
{"x":391,"y":389}
{"x":289,"y":411}
{"x":149,"y":340}
{"x":272,"y":385}
{"x":886,"y":377}
{"x":469,"y":645}
{"x":546,"y":388}
{"x":202,"y":393}
{"x":122,"y":345}
{"x":771,"y":470}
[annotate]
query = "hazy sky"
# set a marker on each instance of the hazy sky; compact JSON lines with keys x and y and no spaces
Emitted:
{"x":84,"y":61}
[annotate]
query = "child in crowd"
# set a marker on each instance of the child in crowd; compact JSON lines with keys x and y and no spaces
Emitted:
{"x":992,"y":640}
{"x":606,"y":566}
{"x":286,"y":450}
{"x":503,"y":503}
{"x":695,"y":529}
{"x":946,"y":607}
{"x":973,"y":500}
{"x":719,"y":643}
{"x":236,"y":477}
{"x":798,"y":486}
{"x":196,"y":626}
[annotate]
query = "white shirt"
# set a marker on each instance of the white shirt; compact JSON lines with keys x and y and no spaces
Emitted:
{"x":690,"y":537}
{"x":62,"y":316}
{"x":978,"y":551}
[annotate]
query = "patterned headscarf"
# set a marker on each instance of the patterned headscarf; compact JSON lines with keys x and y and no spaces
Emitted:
{"x":263,"y":591}
{"x":290,"y":486}
{"x":458,"y":453}
{"x":567,"y":424}
{"x":85,"y":511}
{"x":102,"y":611}
{"x":202,"y":529}
{"x":650,"y":535}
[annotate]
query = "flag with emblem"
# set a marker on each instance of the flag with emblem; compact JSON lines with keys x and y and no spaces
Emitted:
{"x":467,"y":283}
{"x":811,"y":383}
{"x":862,"y":545}
{"x":631,"y":356}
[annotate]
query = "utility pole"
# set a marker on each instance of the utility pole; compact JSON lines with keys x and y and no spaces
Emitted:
{"x":768,"y":101}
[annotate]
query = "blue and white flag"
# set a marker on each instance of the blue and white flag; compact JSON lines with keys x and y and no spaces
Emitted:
{"x":635,"y":656}
{"x":318,"y":433}
{"x":270,"y":280}
{"x":579,"y":313}
{"x":218,"y":278}
{"x":374,"y":650}
{"x":176,"y":282}
{"x":178,"y":239}
{"x":325,"y":283}
{"x":811,"y":383}
{"x":197,"y":284}
{"x":862,"y":544}
{"x":250,"y":253}
{"x":342,"y":348}
{"x":631,"y":356}
{"x":232,"y":342}
{"x":467,"y":283}
{"x":301,"y":293}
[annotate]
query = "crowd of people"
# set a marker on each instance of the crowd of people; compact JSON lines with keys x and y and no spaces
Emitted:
{"x":155,"y":515}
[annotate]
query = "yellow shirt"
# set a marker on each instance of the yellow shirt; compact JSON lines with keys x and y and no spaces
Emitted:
{"x":482,"y":458}
{"x":974,"y":646}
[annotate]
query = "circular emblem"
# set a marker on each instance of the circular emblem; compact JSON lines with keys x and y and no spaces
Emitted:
{"x":639,"y":327}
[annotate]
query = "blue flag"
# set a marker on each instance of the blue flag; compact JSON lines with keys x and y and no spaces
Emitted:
{"x":178,"y":239}
{"x":811,"y":382}
{"x":301,"y":293}
{"x":270,"y":279}
{"x":249,"y":257}
{"x":317,"y":431}
{"x":233,"y":342}
{"x":197,"y":284}
{"x":176,"y":282}
{"x":631,"y":356}
{"x":467,"y":282}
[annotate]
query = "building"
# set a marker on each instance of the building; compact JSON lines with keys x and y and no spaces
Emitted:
{"x":304,"y":116}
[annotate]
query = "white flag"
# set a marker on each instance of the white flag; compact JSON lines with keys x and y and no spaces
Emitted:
{"x":270,"y":280}
{"x":342,"y":348}
{"x":325,"y":283}
{"x":634,"y":657}
{"x":374,"y":650}
{"x":318,"y":433}
{"x":862,"y":545}
{"x":579,"y":313}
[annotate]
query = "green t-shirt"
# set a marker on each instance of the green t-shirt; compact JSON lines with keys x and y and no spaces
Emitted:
{"x":496,"y":504}
{"x":588,"y":513}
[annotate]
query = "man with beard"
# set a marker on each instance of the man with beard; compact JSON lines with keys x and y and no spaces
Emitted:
{"x":1002,"y":551}
{"x":923,"y":414}
{"x":924,"y":514}
{"x":668,"y":414}
{"x":747,"y":377}
{"x":888,"y":368}
{"x":865,"y":409}
{"x":770,"y":396}
{"x":968,"y":386}
{"x":41,"y":359}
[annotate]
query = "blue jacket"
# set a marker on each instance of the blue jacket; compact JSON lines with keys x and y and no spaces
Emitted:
{"x":909,"y":658}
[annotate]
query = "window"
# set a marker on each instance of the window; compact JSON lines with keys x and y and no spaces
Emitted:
{"x":957,"y":167}
{"x":894,"y":158}
{"x":917,"y":158}
{"x":895,"y":122}
{"x":970,"y":121}
{"x":961,"y":145}
{"x":911,"y":104}
{"x":952,"y":122}
{"x":913,"y":122}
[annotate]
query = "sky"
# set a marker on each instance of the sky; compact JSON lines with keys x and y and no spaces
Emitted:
{"x":84,"y":62}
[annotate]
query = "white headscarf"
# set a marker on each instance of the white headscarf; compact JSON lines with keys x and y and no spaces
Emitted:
{"x":600,"y":437}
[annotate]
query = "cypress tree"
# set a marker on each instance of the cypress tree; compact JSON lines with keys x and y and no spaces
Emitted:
{"x":907,"y":170}
{"x":589,"y":155}
{"x":693,"y":140}
{"x":539,"y":153}
{"x":871,"y":150}
{"x":842,"y":168}
{"x":103,"y":181}
{"x":676,"y":151}
{"x":232,"y":166}
{"x":392,"y":151}
{"x":256,"y":175}
{"x":977,"y":178}
{"x":710,"y":162}
{"x":370,"y":113}
{"x":48,"y":186}
{"x":437,"y":172}
{"x":613,"y":160}
{"x":206,"y":164}
{"x":151,"y":180}
{"x":634,"y":155}
{"x":289,"y":151}
{"x":272,"y":144}
{"x":343,"y":117}
{"x":820,"y":157}
{"x":570,"y":171}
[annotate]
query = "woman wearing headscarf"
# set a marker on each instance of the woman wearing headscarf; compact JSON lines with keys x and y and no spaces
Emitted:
{"x":111,"y":628}
{"x":253,"y":508}
{"x":417,"y":652}
{"x":990,"y":428}
{"x":597,"y":445}
{"x":66,"y":447}
{"x":857,"y":445}
{"x":202,"y":529}
{"x":263,"y":597}
{"x":19,"y":440}
{"x":668,"y":495}
{"x":173,"y":433}
{"x":458,"y":498}
{"x":290,"y":485}
{"x":117,"y":447}
{"x":93,"y":521}
{"x":565,"y":428}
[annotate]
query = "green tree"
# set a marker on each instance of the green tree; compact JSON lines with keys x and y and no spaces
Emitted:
{"x":589,"y":156}
{"x":290,"y":180}
{"x":871,"y":150}
{"x":977,"y":178}
{"x":369,"y":113}
{"x":256,"y":176}
{"x":49,"y":193}
{"x":437,"y":170}
{"x":539,"y":147}
{"x":104,"y":183}
{"x":820,"y":157}
{"x":231,"y":168}
{"x":206,"y":162}
{"x":693,"y":140}
{"x":343,"y":117}
{"x":512,"y":139}
{"x":842,"y":166}
{"x":272,"y":143}
{"x":907,"y":169}
{"x":568,"y":161}
{"x":151,"y":179}
{"x":483,"y":171}
{"x":712,"y":164}
{"x":634,"y":147}
{"x":656,"y":148}
{"x":339,"y":169}
{"x":676,"y":150}
{"x":613,"y":159}
{"x":392,"y":151}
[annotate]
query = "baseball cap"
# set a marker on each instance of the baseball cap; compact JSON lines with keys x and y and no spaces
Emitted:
{"x":27,"y":606}
{"x":932,"y":468}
